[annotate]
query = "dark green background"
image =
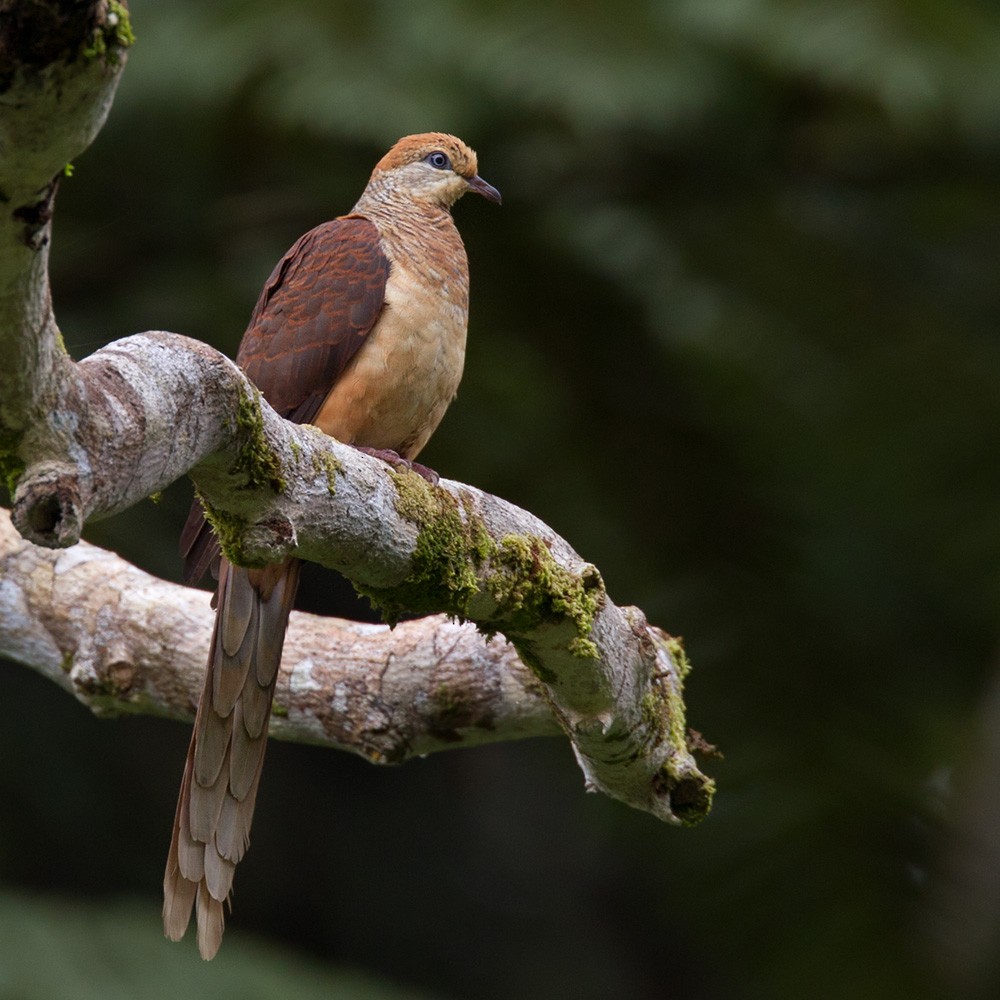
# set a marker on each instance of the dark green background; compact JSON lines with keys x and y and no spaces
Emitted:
{"x":734,"y":334}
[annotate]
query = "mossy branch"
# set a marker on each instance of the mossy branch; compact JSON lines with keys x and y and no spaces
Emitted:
{"x":277,"y":489}
{"x":89,"y":439}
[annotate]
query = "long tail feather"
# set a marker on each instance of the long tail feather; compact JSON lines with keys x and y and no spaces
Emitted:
{"x":222,"y":772}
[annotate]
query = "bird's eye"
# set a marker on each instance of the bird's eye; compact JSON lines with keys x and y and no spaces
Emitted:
{"x":438,"y":160}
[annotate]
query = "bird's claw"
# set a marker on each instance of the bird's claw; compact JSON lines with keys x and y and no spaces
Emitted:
{"x":425,"y":473}
{"x":397,"y":461}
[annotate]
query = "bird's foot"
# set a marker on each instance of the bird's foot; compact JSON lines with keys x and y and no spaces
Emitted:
{"x":425,"y":473}
{"x":397,"y":461}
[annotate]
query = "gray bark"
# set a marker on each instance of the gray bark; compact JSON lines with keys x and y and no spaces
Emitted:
{"x":121,"y":640}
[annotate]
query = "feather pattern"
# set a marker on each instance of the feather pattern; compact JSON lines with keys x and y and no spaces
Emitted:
{"x":360,"y":329}
{"x":219,"y":788}
{"x":232,"y":836}
{"x":211,"y":921}
{"x":238,"y":609}
{"x":205,"y":804}
{"x":211,"y":730}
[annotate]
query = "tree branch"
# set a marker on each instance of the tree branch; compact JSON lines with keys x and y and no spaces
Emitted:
{"x":59,"y":68}
{"x":88,"y":440}
{"x":120,"y":641}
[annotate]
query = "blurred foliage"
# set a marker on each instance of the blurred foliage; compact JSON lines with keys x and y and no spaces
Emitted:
{"x":735,"y":335}
{"x":115,"y":952}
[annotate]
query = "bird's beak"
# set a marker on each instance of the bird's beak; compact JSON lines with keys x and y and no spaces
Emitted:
{"x":488,"y":191}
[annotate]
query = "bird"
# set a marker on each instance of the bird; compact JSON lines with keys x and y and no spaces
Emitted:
{"x":360,"y":330}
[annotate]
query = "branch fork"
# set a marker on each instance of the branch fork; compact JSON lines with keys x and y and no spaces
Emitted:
{"x":87,"y":440}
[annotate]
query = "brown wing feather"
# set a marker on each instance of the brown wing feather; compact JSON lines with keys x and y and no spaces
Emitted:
{"x":315,"y":311}
{"x":320,"y":302}
{"x":198,"y":545}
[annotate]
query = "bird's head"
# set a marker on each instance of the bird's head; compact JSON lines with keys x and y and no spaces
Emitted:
{"x":433,"y":167}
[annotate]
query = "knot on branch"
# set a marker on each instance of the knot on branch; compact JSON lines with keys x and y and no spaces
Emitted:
{"x":36,"y":215}
{"x":36,"y":35}
{"x":683,"y":799}
{"x":269,"y":541}
{"x":48,"y":509}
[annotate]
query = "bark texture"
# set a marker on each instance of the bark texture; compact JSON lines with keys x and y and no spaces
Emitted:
{"x":120,"y":640}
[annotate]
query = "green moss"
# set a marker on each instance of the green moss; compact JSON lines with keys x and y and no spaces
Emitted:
{"x":445,"y":559}
{"x":261,"y":466}
{"x":61,"y":343}
{"x":584,"y":649}
{"x":279,"y":711}
{"x":228,"y":528}
{"x":655,"y":715}
{"x":455,"y":556}
{"x":662,"y":706}
{"x":124,"y":35}
{"x":675,"y":647}
{"x":676,"y":715}
{"x":11,"y":464}
{"x":256,"y":459}
{"x":663,"y":713}
{"x":324,"y":462}
{"x":67,"y":661}
{"x":98,"y":47}
{"x":531,"y":588}
{"x":112,"y":36}
{"x":156,"y":497}
{"x":11,"y":468}
{"x":481,"y":545}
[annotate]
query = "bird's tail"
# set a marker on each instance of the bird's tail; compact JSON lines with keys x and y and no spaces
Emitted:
{"x":224,"y":760}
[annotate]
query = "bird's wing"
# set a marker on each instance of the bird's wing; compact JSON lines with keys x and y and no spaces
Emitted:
{"x":320,"y":302}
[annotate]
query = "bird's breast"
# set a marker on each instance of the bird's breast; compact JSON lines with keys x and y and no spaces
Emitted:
{"x":399,"y":384}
